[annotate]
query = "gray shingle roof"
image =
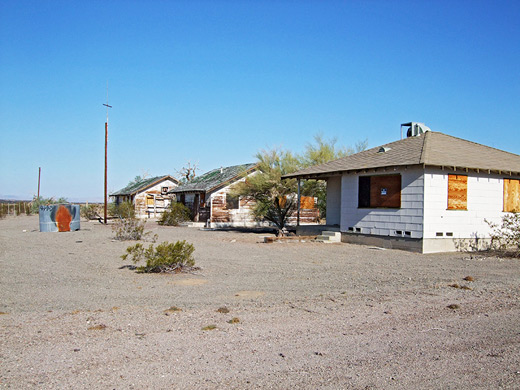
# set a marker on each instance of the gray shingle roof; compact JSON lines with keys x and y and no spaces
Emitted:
{"x":431,"y":148}
{"x":143,"y":184}
{"x":214,"y":179}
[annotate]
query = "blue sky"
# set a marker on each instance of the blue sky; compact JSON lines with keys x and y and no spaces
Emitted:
{"x":213,"y":82}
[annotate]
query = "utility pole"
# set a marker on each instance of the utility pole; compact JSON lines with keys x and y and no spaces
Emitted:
{"x":39,"y":176}
{"x":106,"y":145}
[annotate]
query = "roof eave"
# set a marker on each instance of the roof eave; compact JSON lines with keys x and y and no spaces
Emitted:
{"x":146,"y":186}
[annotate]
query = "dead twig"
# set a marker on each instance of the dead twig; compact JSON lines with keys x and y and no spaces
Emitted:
{"x":428,"y":330}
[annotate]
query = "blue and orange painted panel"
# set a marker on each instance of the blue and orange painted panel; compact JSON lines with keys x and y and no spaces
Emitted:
{"x":59,"y":218}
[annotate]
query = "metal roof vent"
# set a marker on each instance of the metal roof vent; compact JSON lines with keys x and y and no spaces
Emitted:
{"x":384,"y":149}
{"x":414,"y":129}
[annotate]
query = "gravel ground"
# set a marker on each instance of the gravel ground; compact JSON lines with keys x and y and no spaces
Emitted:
{"x":306,"y":315}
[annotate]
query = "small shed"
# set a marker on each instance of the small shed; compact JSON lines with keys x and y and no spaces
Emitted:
{"x":149,"y":196}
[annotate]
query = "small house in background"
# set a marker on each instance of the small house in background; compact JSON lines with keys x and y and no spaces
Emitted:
{"x":149,"y":196}
{"x":429,"y":192}
{"x":208,"y":198}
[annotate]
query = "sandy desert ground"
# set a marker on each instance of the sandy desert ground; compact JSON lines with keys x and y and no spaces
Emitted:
{"x":307,"y":315}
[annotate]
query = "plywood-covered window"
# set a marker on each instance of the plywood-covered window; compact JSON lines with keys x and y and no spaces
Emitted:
{"x":457,"y":192}
{"x":379,"y":191}
{"x":306,"y":202}
{"x":512,"y":195}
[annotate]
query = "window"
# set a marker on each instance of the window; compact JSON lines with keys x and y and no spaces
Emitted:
{"x":457,"y":192}
{"x":164,"y":190}
{"x":232,"y":202}
{"x":511,"y":195}
{"x":379,"y":191}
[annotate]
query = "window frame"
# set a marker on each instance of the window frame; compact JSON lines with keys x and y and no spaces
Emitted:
{"x":237,"y":202}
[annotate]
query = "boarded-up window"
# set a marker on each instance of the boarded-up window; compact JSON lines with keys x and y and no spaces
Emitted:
{"x":511,"y":195}
{"x":307,"y":202}
{"x":457,"y":192}
{"x":149,"y":200}
{"x":380,"y":191}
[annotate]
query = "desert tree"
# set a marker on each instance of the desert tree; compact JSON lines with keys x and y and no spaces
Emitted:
{"x":274,"y":198}
{"x":188,"y":172}
{"x":321,"y":151}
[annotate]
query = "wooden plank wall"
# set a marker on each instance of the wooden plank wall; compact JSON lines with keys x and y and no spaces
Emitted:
{"x":219,"y":212}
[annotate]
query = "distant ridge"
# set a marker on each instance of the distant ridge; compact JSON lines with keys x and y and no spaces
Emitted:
{"x":14,"y":198}
{"x":18,"y":198}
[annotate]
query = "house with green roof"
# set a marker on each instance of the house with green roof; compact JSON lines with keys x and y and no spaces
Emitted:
{"x":149,"y":196}
{"x":210,"y":201}
{"x":208,"y":197}
{"x":429,"y":192}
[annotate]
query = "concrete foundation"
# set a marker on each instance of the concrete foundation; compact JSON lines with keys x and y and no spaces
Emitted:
{"x":419,"y":245}
{"x":387,"y":242}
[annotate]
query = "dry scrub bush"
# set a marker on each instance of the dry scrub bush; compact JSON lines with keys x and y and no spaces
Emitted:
{"x":127,"y":229}
{"x":41,"y":201}
{"x":122,"y":210}
{"x":166,"y":257}
{"x":506,"y":236}
{"x":175,"y":215}
{"x":91,"y":211}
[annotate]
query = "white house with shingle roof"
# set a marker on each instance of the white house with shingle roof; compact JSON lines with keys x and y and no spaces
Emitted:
{"x":429,"y":193}
{"x":149,"y":196}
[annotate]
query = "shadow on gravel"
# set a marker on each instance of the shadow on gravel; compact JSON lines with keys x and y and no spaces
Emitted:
{"x":129,"y":266}
{"x":262,"y":230}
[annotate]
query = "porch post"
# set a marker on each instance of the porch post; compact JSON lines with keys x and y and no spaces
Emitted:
{"x":299,"y":198}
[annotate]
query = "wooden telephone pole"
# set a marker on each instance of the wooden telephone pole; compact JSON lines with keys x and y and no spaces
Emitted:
{"x":106,"y":145}
{"x":39,"y":177}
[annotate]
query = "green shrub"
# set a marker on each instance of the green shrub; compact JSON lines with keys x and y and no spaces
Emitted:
{"x":166,"y":257}
{"x":41,"y":201}
{"x":121,"y":210}
{"x":130,"y":229}
{"x":91,"y":211}
{"x":175,"y":215}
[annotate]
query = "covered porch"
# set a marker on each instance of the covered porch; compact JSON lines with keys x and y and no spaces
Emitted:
{"x":333,"y":203}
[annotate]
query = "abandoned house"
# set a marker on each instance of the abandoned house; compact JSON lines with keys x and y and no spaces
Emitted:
{"x":209,"y":199}
{"x":429,"y":192}
{"x":149,"y":196}
{"x":207,"y":196}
